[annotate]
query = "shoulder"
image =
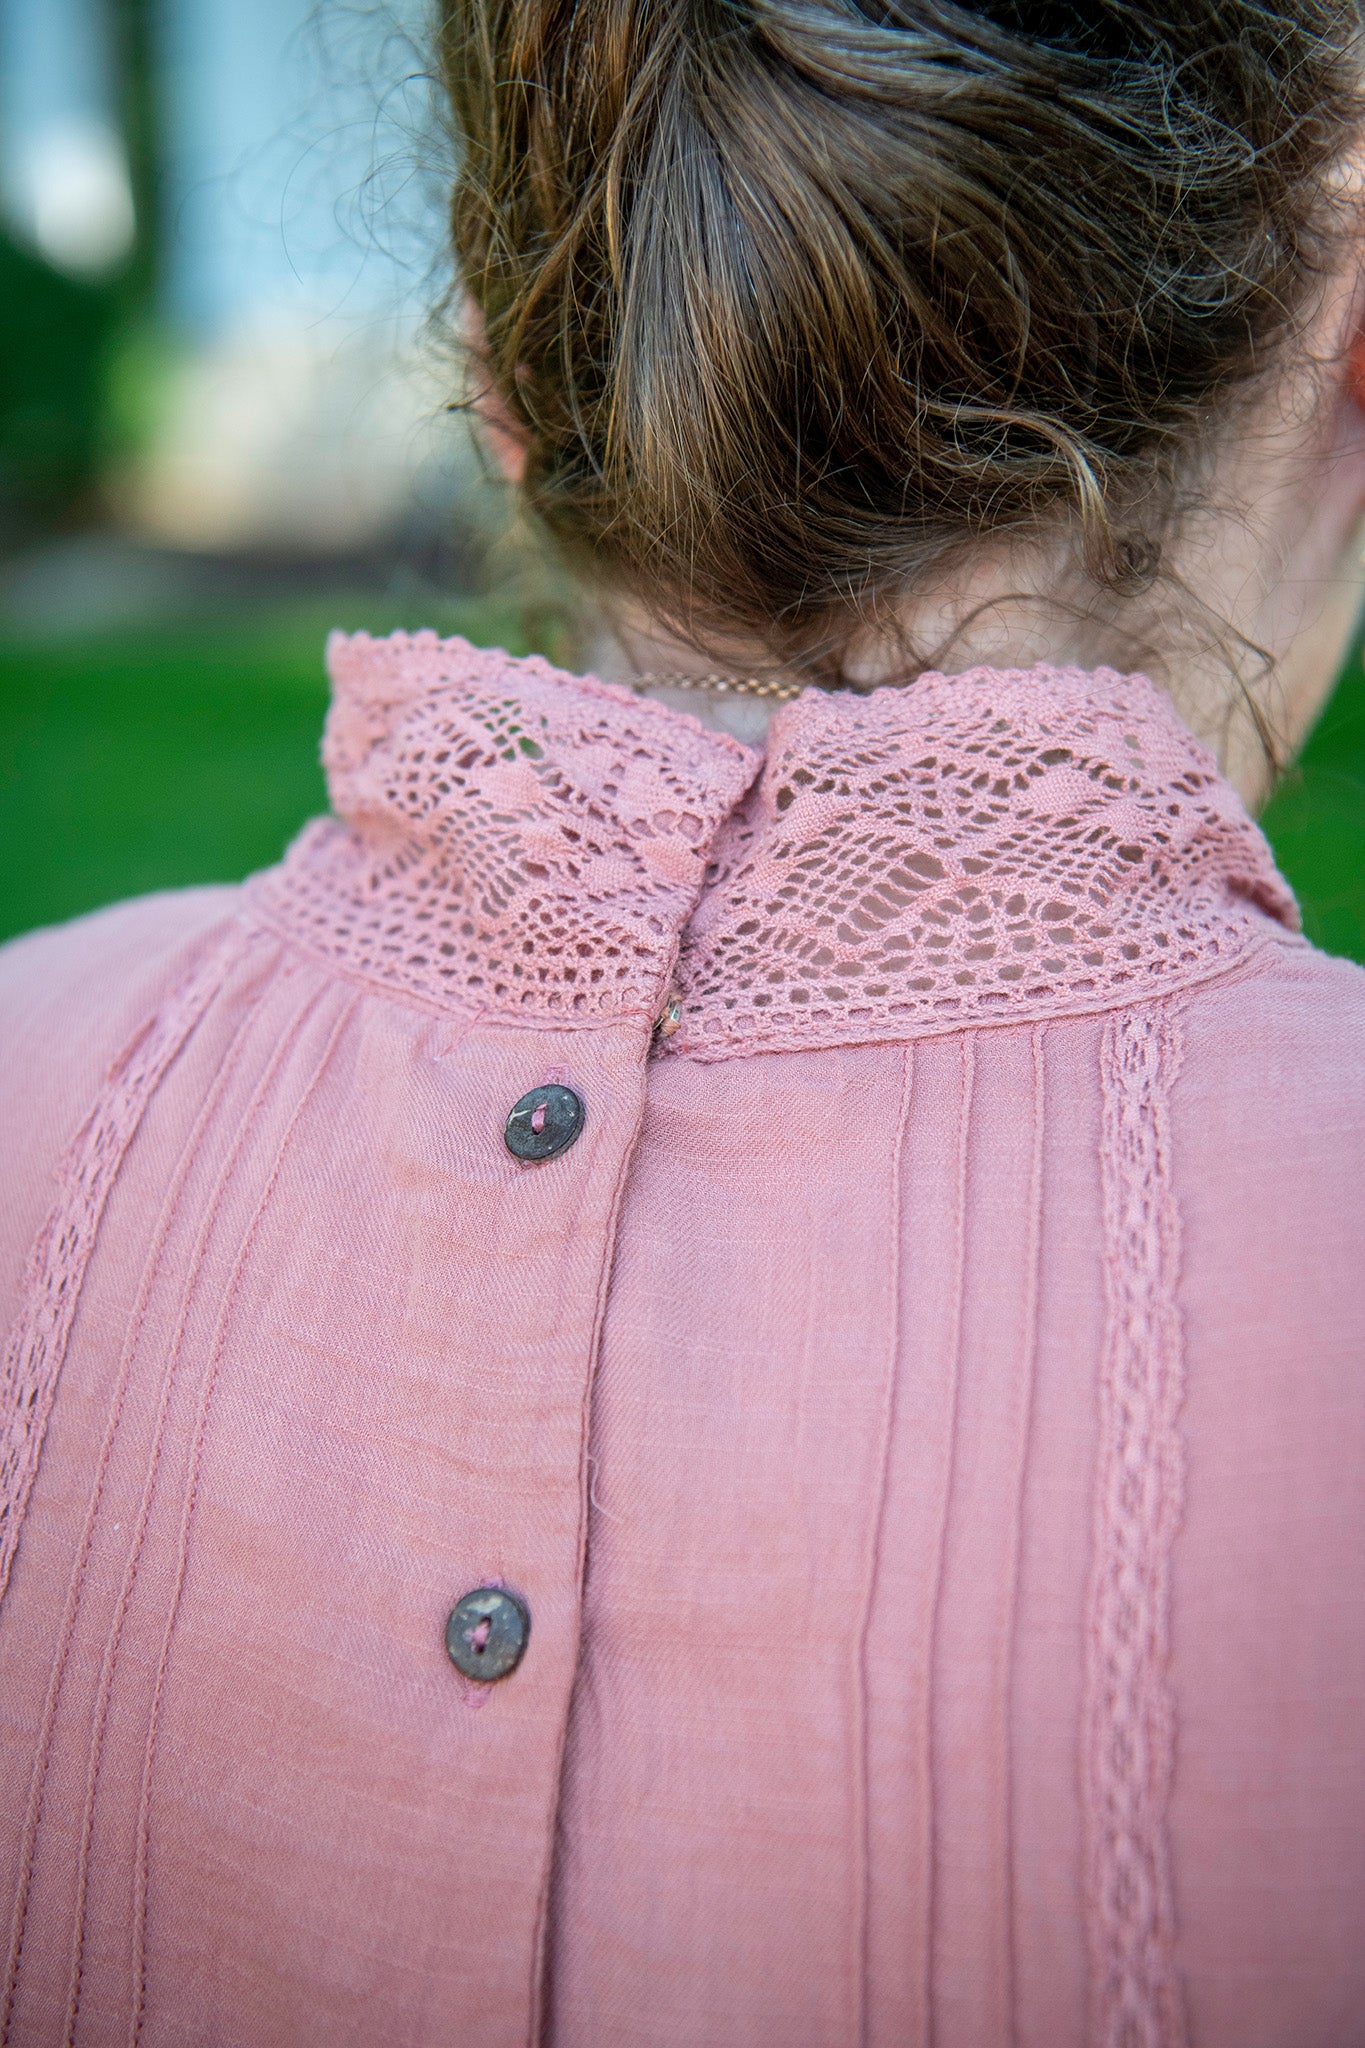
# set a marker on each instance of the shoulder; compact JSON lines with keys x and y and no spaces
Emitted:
{"x":1273,"y":1063}
{"x":71,"y":996}
{"x":123,"y":952}
{"x":1268,"y":1134}
{"x":1267,"y":1166}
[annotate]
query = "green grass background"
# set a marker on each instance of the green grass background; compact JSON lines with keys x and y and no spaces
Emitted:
{"x":153,"y":759}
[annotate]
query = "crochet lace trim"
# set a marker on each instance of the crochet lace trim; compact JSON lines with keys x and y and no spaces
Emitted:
{"x":509,"y":843}
{"x":997,"y":845}
{"x":1129,"y":1740}
{"x":57,"y":1262}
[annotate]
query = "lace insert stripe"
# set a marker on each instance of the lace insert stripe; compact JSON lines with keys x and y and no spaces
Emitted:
{"x":57,"y":1263}
{"x":1129,"y":1725}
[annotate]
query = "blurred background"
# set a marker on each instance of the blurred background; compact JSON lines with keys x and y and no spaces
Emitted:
{"x":224,"y":376}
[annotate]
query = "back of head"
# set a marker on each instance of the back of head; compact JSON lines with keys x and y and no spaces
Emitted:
{"x":793,"y":302}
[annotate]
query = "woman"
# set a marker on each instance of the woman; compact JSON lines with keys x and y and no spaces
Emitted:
{"x":695,"y":1389}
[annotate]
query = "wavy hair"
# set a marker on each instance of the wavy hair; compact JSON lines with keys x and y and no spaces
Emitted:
{"x":792,"y":301}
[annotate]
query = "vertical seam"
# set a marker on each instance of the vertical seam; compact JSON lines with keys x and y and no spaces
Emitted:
{"x":80,"y":1563}
{"x":926,"y":2034}
{"x":1129,"y":1726}
{"x":862,"y":1846}
{"x":56,"y":1265}
{"x":1028,"y":1364}
{"x":187,"y":1518}
{"x":540,"y":1944}
{"x":284,"y":1045}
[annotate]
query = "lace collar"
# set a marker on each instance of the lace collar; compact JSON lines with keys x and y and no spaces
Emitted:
{"x":997,"y":846}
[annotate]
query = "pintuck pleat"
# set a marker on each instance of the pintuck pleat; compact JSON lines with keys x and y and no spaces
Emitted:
{"x":56,"y":1266}
{"x":91,"y":1781}
{"x":944,"y":1859}
{"x":191,"y":1155}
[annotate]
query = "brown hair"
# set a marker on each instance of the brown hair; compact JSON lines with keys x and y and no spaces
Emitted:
{"x":793,"y":300}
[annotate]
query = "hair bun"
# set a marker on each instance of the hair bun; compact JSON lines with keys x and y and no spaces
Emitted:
{"x":794,"y":300}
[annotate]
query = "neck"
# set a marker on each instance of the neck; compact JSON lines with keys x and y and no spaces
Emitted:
{"x":1247,"y":636}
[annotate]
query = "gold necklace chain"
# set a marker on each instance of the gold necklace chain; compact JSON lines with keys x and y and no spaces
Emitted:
{"x":722,"y":685}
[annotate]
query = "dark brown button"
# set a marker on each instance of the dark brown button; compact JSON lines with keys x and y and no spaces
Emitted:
{"x":487,"y":1633}
{"x":544,"y":1123}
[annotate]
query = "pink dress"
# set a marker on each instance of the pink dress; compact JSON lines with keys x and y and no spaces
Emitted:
{"x":912,"y":1428}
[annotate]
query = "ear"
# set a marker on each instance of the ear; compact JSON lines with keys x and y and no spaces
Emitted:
{"x":503,"y":438}
{"x":1355,"y":368}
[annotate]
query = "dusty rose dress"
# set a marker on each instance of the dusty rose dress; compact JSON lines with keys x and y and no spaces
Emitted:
{"x":917,"y":1426}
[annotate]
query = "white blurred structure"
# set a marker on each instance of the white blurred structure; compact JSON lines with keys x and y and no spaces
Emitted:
{"x":65,"y":190}
{"x":302,"y":229}
{"x":303,"y":256}
{"x":291,"y":433}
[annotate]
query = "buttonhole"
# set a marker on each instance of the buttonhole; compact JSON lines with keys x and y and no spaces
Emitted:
{"x":538,"y":1117}
{"x":477,"y":1637}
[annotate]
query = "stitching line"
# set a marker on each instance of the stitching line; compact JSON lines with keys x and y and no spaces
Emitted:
{"x":1029,"y":1373}
{"x":862,"y":1790}
{"x":926,"y":2014}
{"x":139,"y":1959}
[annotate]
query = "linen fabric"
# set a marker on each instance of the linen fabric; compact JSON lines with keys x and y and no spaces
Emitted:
{"x":922,"y":1413}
